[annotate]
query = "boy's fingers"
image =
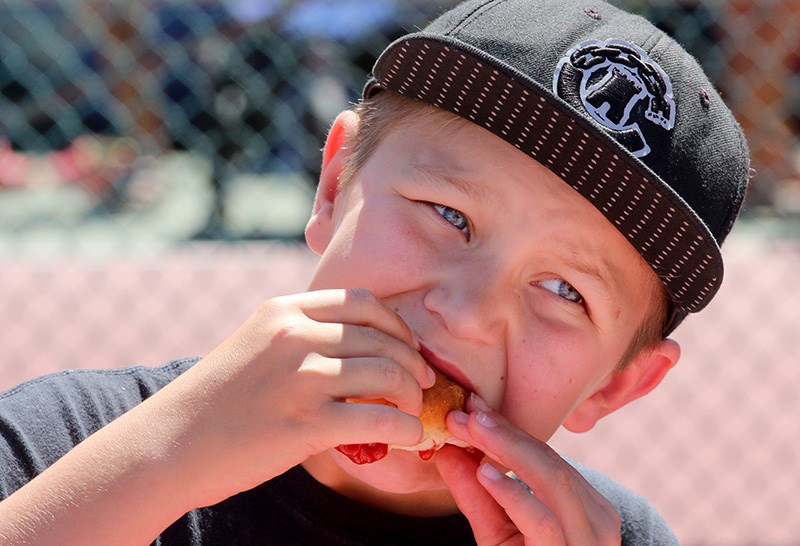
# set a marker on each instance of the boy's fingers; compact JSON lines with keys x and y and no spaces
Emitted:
{"x":580,"y":509}
{"x":337,"y":341}
{"x":370,"y":423}
{"x":531,"y":459}
{"x":364,"y":341}
{"x":355,"y":306}
{"x":368,"y":378}
{"x":589,"y":523}
{"x":354,"y":323}
{"x":530,"y":516}
{"x":490,"y":523}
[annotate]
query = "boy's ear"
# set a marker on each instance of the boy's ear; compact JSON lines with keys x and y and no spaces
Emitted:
{"x":334,"y":155}
{"x":641,"y":376}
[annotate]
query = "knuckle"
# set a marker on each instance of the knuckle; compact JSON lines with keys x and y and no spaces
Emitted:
{"x":275,"y":321}
{"x":275,"y":312}
{"x":563,"y":479}
{"x":378,"y":342}
{"x":289,"y":331}
{"x":372,"y":336}
{"x":392,"y":376}
{"x":273,"y":307}
{"x":360,"y":295}
{"x":384,"y":421}
{"x":548,"y":528}
{"x":309,"y":417}
{"x":394,"y":426}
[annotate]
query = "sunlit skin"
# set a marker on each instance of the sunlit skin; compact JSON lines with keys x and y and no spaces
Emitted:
{"x":448,"y":246}
{"x":512,"y":283}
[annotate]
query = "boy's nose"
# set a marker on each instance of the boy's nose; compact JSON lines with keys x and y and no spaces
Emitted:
{"x":468,"y":306}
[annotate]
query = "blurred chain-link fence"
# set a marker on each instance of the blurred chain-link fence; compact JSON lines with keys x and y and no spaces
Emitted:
{"x":95,"y":94}
{"x":153,"y":151}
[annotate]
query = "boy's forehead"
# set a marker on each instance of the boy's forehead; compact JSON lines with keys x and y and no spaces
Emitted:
{"x":604,"y":99}
{"x":445,"y":151}
{"x":451,"y":151}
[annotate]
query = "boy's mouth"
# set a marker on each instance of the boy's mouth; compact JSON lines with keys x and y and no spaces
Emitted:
{"x":447,"y":368}
{"x":437,"y":402}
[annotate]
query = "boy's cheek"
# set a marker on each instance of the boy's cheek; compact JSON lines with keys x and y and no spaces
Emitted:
{"x":549,"y":375}
{"x":540,"y":417}
{"x":384,"y":266}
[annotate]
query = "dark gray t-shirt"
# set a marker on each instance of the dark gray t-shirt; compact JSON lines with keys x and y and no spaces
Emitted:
{"x":44,"y":418}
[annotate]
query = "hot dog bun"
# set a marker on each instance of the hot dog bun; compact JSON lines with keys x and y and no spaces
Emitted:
{"x":437,"y":402}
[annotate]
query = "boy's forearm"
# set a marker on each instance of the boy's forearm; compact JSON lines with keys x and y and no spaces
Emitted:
{"x":119,"y":486}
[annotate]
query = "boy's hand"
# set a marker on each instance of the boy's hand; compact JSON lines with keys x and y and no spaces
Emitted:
{"x":560,"y":507}
{"x":265,"y":400}
{"x":273,"y":393}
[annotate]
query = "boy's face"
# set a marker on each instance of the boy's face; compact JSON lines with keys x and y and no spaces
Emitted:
{"x":513,"y":283}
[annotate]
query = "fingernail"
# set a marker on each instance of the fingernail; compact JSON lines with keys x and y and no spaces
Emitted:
{"x":484,"y":419}
{"x":460,"y":417}
{"x":431,"y":375}
{"x":479,"y":403}
{"x":490,"y":472}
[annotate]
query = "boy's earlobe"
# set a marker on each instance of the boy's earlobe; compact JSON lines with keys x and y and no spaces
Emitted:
{"x":641,"y":376}
{"x":334,"y":157}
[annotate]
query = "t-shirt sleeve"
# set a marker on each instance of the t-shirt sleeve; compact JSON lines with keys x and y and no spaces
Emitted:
{"x":642,"y":525}
{"x":42,"y":419}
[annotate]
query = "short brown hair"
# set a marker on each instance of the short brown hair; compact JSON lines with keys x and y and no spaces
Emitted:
{"x":386,"y":109}
{"x":376,"y":116}
{"x":651,"y":330}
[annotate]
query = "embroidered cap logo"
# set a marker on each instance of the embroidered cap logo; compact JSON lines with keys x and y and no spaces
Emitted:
{"x":621,"y":88}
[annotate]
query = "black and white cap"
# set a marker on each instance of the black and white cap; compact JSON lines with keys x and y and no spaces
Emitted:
{"x":605,"y":100}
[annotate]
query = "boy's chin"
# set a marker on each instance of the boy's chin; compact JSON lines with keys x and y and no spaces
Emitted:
{"x":399,"y":472}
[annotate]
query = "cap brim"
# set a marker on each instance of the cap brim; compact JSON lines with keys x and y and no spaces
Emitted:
{"x":455,"y":76}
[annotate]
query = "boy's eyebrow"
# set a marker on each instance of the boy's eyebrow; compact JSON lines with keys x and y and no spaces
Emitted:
{"x":600,"y":274}
{"x":444,"y":177}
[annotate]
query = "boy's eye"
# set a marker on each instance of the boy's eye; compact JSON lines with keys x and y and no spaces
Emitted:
{"x":562,"y":289}
{"x":454,"y":217}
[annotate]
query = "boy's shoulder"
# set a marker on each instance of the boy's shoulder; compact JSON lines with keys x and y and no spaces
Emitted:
{"x":641,"y":522}
{"x":106,"y":386}
{"x":42,"y":419}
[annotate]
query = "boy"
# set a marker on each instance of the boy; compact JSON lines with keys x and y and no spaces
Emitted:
{"x":530,"y":198}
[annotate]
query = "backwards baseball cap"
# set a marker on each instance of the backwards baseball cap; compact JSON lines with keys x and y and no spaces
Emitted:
{"x":608,"y":102}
